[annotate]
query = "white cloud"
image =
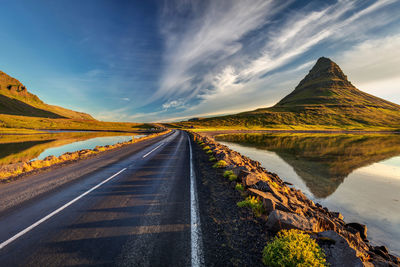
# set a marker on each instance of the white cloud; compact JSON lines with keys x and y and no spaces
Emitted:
{"x":236,"y":78}
{"x":173,"y":104}
{"x":209,"y":38}
{"x":373,"y":66}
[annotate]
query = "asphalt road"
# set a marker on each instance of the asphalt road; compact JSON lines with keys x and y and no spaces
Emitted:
{"x":132,"y":207}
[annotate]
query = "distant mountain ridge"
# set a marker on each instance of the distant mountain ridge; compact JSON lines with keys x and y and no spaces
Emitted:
{"x":324,"y":99}
{"x":16,"y":100}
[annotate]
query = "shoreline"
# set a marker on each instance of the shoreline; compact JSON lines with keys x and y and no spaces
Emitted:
{"x":288,"y":208}
{"x":9,"y":173}
{"x":48,"y":131}
{"x":213,"y":133}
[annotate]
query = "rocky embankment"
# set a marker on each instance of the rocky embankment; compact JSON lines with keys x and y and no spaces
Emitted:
{"x":284,"y":207}
{"x":14,"y":171}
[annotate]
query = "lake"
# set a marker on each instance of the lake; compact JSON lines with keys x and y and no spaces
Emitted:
{"x":355,"y":174}
{"x":22,"y":148}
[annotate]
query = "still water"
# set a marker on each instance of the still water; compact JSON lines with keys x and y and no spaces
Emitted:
{"x":22,"y":148}
{"x":358,"y":175}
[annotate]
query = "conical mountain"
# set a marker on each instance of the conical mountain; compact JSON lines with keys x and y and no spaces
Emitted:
{"x":327,"y":85}
{"x":324,"y":99}
{"x":16,"y":100}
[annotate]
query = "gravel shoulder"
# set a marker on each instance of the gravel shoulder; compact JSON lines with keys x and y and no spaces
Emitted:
{"x":232,"y":236}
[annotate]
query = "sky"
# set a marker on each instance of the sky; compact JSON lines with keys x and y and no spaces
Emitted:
{"x":154,"y":60}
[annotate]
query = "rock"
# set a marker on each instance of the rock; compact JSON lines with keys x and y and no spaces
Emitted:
{"x":337,"y":215}
{"x":248,"y":178}
{"x":339,"y":253}
{"x":361,"y":228}
{"x":269,"y":201}
{"x":261,"y":185}
{"x":382,"y":251}
{"x":324,"y":223}
{"x":278,"y":220}
{"x":269,"y":204}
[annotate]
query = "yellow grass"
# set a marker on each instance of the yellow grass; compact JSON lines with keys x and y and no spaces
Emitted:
{"x":8,"y":172}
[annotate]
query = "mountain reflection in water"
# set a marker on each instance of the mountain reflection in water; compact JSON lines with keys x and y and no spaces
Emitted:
{"x":323,"y":161}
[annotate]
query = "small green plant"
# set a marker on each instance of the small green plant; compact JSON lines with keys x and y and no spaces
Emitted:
{"x":293,"y":248}
{"x":227,"y":173}
{"x":206,"y":148}
{"x":254,"y":203}
{"x":212,"y":158}
{"x":239,"y":187}
{"x":220,"y":164}
{"x":232,"y":177}
{"x":208,"y":152}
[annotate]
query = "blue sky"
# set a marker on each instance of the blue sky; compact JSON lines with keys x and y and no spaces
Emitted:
{"x":172,"y":60}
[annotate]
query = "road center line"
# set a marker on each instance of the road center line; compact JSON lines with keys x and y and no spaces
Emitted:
{"x":152,"y":150}
{"x":195,"y":229}
{"x":26,"y":230}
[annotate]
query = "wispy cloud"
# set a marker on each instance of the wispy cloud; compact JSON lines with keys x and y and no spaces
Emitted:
{"x":228,"y":50}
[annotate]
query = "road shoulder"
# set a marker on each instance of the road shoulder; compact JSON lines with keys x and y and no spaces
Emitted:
{"x":231,"y":236}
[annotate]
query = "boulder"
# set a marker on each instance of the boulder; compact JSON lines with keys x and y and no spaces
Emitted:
{"x":338,"y":252}
{"x":361,"y":228}
{"x":278,"y":220}
{"x":270,"y":203}
{"x":337,"y":215}
{"x":325,"y":223}
{"x":265,"y":186}
{"x":248,"y":178}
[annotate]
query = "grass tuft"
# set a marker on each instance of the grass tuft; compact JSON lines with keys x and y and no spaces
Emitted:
{"x":232,"y":177}
{"x":220,"y":164}
{"x":239,"y":187}
{"x":293,"y":248}
{"x":254,"y":203}
{"x":227,"y":173}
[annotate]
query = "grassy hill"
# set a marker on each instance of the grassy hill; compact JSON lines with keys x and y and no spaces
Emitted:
{"x":20,"y":109}
{"x":324,"y":99}
{"x":16,"y":100}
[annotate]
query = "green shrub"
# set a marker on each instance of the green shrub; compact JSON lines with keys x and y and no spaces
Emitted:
{"x":209,"y":152}
{"x":239,"y":187}
{"x":220,"y":164}
{"x":227,"y":174}
{"x":232,"y":177}
{"x":293,"y":248}
{"x":212,"y":158}
{"x":206,"y":148}
{"x":254,"y":203}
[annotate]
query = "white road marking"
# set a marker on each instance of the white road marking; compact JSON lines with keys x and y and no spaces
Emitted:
{"x":195,"y":229}
{"x":153,"y":150}
{"x":26,"y":230}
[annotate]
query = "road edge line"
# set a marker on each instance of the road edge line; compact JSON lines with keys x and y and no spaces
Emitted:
{"x":195,"y":229}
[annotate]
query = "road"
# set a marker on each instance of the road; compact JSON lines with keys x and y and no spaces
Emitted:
{"x":132,"y":207}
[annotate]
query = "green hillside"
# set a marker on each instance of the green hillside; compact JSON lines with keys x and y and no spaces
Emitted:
{"x":20,"y":110}
{"x":324,"y":99}
{"x":16,"y":100}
